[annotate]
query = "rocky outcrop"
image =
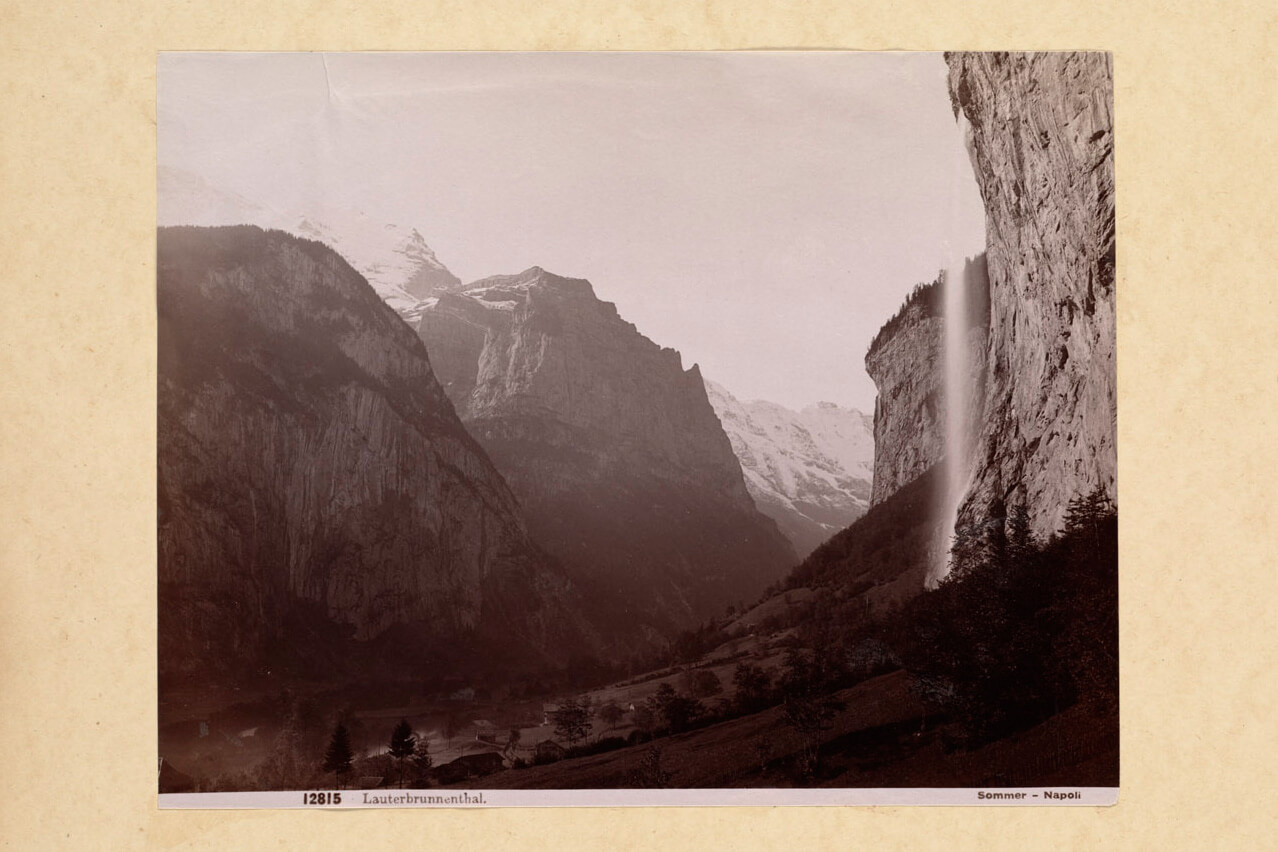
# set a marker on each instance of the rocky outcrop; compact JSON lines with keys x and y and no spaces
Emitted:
{"x":1039,"y":129}
{"x":905,"y":365}
{"x":314,"y":480}
{"x":809,"y":470}
{"x":905,"y":360}
{"x":620,"y":463}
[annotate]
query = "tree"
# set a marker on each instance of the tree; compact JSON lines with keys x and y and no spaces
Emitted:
{"x":356,"y":730}
{"x":701,"y":683}
{"x":282,"y":770}
{"x":682,"y":711}
{"x":402,"y":744}
{"x":802,"y":674}
{"x":339,"y":755}
{"x":753,"y":685}
{"x":656,"y":703}
{"x":1024,"y":628}
{"x":421,"y":759}
{"x":587,"y":709}
{"x":809,"y":715}
{"x":610,"y":713}
{"x":512,"y":742}
{"x":677,"y":710}
{"x":1020,"y":537}
{"x":572,"y":721}
{"x":649,"y":774}
{"x":1085,"y":517}
{"x":643,"y":718}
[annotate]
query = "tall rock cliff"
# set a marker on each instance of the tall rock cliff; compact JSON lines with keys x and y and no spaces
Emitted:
{"x":612,"y":447}
{"x":905,"y":362}
{"x":808,"y":470}
{"x":314,"y":480}
{"x":1039,"y":129}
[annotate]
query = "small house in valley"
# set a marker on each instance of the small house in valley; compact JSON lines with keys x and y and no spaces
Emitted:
{"x":485,"y":731}
{"x":469,"y":766}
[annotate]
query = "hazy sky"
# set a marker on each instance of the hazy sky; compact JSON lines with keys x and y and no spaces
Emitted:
{"x":763,"y":213}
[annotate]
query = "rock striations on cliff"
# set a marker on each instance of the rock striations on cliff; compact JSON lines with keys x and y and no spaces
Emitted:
{"x":612,"y":448}
{"x":810,"y":470}
{"x":1039,"y":130}
{"x":315,"y":484}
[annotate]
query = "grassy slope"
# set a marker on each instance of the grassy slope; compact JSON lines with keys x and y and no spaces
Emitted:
{"x":880,"y":739}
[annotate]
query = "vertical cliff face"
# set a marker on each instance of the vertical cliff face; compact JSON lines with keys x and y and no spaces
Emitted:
{"x":612,"y":447}
{"x":311,"y":469}
{"x":905,"y":362}
{"x":1040,"y":133}
{"x":905,"y":365}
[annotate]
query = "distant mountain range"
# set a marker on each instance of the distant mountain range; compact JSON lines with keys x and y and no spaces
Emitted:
{"x":395,"y":259}
{"x":810,"y":471}
{"x":619,"y":465}
{"x":611,"y":446}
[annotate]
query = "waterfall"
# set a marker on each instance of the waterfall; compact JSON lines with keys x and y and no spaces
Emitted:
{"x":956,"y":392}
{"x":956,"y":397}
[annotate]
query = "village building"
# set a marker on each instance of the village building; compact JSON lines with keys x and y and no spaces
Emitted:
{"x":486,"y":731}
{"x":469,"y":766}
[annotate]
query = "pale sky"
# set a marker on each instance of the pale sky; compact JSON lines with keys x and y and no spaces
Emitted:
{"x":763,"y":213}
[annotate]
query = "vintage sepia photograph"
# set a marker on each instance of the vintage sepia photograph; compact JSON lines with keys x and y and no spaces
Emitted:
{"x":636,"y":428}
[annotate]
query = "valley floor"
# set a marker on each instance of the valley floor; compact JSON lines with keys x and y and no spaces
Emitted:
{"x":880,"y":739}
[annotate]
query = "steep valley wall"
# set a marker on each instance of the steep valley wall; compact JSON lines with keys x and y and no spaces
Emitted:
{"x":1040,"y":135}
{"x":1039,"y":130}
{"x":315,"y":485}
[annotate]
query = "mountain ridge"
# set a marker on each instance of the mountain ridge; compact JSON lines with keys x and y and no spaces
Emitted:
{"x":394,"y":259}
{"x":809,"y":470}
{"x":313,"y":472}
{"x":612,"y":446}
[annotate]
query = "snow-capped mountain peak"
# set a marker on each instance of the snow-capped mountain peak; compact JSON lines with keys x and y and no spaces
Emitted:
{"x":394,"y":259}
{"x":810,"y":470}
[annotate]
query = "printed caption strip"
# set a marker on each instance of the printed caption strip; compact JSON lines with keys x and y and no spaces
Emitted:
{"x":1039,"y":796}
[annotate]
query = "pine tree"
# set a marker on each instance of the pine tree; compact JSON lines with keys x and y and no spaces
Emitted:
{"x":339,"y":755}
{"x":1085,"y":516}
{"x":402,"y":745}
{"x":967,"y":552}
{"x":1020,"y":538}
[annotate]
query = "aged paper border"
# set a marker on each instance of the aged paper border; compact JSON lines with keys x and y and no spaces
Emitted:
{"x":1198,"y":363}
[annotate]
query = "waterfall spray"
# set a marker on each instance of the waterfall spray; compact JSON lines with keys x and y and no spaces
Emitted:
{"x":956,"y":391}
{"x":956,"y":396}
